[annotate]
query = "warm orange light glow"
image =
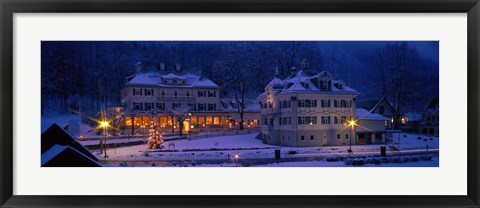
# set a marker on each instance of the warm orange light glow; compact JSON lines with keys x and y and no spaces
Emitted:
{"x":352,"y":123}
{"x":104,"y":124}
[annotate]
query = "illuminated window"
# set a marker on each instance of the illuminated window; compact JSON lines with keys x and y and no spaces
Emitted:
{"x":193,"y":120}
{"x":201,"y":120}
{"x":163,"y":120}
{"x":216,"y":120}
{"x":209,"y":120}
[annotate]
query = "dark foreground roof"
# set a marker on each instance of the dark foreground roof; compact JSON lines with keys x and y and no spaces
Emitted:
{"x":55,"y":135}
{"x":66,"y":156}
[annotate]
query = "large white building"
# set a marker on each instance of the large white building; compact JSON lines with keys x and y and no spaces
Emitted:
{"x":310,"y":108}
{"x":161,"y":90}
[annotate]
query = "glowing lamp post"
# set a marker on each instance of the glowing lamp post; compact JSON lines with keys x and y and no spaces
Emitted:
{"x":104,"y":124}
{"x":235,"y":158}
{"x":352,"y":123}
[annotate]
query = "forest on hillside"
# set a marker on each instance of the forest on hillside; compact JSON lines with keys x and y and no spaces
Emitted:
{"x":85,"y":75}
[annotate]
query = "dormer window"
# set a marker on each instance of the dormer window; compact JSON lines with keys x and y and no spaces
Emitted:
{"x":174,"y":81}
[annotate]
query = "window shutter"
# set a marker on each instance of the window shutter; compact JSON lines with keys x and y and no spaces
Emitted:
{"x":133,"y":91}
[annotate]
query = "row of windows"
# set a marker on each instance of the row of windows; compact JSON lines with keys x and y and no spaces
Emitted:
{"x":174,"y":81}
{"x":164,"y":93}
{"x":139,"y":91}
{"x":307,"y":103}
{"x":342,"y":103}
{"x":312,"y":137}
{"x":310,"y":120}
{"x":161,"y":106}
{"x":148,"y":106}
{"x":207,"y":93}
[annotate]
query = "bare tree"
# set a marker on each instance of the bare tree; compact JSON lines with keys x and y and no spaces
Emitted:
{"x":180,"y":114}
{"x":116,"y":120}
{"x":399,"y":67}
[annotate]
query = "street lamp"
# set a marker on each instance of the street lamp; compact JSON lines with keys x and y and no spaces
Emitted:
{"x":104,"y":124}
{"x":205,"y":130}
{"x":235,"y":158}
{"x":352,"y":123}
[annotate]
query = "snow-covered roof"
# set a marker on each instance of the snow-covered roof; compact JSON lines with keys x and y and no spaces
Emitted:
{"x":156,"y":79}
{"x":172,"y":76}
{"x":384,"y":99}
{"x":59,"y":149}
{"x":363,"y":114}
{"x":275,"y":83}
{"x":301,"y":82}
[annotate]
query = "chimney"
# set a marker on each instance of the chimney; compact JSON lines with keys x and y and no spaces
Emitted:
{"x":305,"y":64}
{"x":162,"y":66}
{"x":178,"y":67}
{"x":138,"y":67}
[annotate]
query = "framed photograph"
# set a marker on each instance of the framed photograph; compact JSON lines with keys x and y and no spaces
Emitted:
{"x":247,"y":104}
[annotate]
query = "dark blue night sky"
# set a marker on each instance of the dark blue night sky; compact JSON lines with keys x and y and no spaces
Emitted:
{"x":374,"y":68}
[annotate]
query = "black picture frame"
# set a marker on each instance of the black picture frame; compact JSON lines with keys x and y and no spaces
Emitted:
{"x":10,"y":7}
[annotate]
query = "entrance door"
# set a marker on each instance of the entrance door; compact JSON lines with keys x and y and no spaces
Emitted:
{"x":325,"y":141}
{"x":361,"y":138}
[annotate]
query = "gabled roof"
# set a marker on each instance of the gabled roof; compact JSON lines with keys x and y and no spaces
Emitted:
{"x":301,"y":82}
{"x":363,"y":114}
{"x":155,"y":79}
{"x":55,"y":135}
{"x":383,"y":99}
{"x":66,"y":156}
{"x":172,"y":76}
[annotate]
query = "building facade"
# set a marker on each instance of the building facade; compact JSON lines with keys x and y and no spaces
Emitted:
{"x":430,"y":119}
{"x":153,"y":90}
{"x":312,"y":109}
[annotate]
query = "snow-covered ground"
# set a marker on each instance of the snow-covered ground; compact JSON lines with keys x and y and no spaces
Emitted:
{"x":432,"y":163}
{"x":222,"y":149}
{"x":217,"y":150}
